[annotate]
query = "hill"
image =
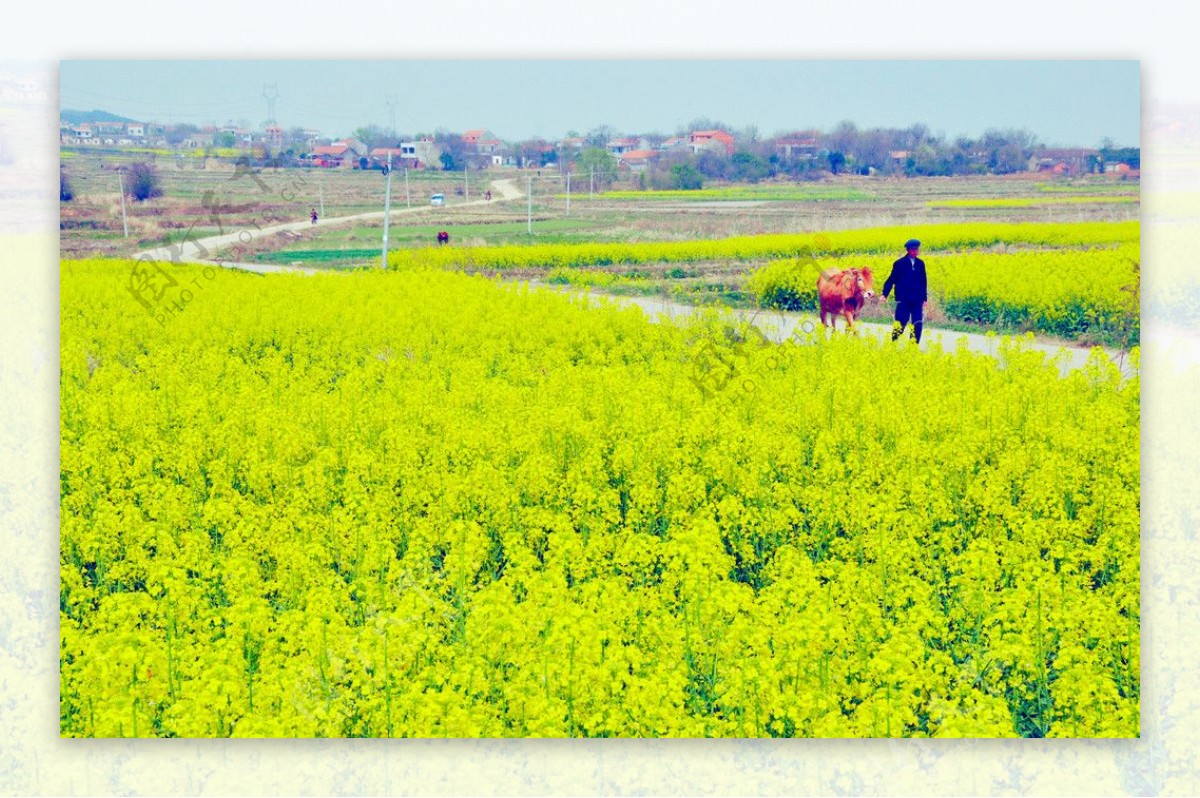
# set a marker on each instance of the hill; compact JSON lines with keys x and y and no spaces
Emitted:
{"x":76,"y":117}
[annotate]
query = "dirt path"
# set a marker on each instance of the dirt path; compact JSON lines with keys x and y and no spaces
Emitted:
{"x":204,"y":250}
{"x":777,"y":325}
{"x":780,"y":325}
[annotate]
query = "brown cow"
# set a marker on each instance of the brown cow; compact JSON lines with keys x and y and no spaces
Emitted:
{"x":844,"y":293}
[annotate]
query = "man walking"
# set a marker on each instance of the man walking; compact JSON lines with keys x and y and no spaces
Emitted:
{"x":908,"y":278}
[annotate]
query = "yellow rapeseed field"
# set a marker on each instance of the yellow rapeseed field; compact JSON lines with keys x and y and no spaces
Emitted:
{"x":428,"y":504}
{"x":940,"y":237}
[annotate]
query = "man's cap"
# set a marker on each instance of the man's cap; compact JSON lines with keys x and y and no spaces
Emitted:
{"x":912,"y":243}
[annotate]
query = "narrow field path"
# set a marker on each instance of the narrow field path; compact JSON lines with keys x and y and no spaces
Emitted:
{"x":778,"y":326}
{"x":205,"y":250}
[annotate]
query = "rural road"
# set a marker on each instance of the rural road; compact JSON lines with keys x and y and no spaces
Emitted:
{"x":204,"y":250}
{"x":775,"y":324}
{"x":780,"y":325}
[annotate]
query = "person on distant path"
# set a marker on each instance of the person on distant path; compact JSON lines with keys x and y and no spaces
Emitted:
{"x":912,"y":292}
{"x":314,"y":215}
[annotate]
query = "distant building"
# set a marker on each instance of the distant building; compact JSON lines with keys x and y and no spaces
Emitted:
{"x":798,"y":147}
{"x":623,"y":145}
{"x":1063,"y":160}
{"x":474,"y":137}
{"x":421,"y":154}
{"x":339,"y":154}
{"x":483,"y":141}
{"x":715,"y":140}
{"x":197,"y":140}
{"x":636,"y":160}
{"x":108,"y":128}
{"x":379,"y":157}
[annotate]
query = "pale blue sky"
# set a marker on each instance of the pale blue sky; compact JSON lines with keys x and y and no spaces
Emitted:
{"x":1063,"y":102}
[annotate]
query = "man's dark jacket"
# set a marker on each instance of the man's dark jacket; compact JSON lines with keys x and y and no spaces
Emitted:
{"x":908,"y":280}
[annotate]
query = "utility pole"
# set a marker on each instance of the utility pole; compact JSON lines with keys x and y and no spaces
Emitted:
{"x":529,"y":203}
{"x":321,"y":196}
{"x":124,"y":221}
{"x":387,"y":207}
{"x":407,"y":195}
{"x":592,"y":183}
{"x":568,"y":192}
{"x":466,"y":186}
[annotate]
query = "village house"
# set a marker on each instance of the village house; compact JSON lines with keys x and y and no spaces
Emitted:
{"x":798,"y":147}
{"x":197,"y":140}
{"x":422,"y":154}
{"x":711,"y":140}
{"x":332,"y":156}
{"x":483,"y":141}
{"x":1062,"y":161}
{"x":621,"y":146}
{"x":473,"y":137}
{"x":343,"y":154}
{"x":541,"y":152}
{"x":108,"y":128}
{"x":81,"y":133}
{"x":636,"y":160}
{"x":380,"y":155}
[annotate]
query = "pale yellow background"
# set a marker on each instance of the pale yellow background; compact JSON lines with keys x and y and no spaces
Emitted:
{"x":34,"y":761}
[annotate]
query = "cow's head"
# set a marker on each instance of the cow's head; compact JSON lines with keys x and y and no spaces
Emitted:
{"x":861,"y":281}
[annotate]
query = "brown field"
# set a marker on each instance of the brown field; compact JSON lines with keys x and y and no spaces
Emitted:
{"x":91,"y":223}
